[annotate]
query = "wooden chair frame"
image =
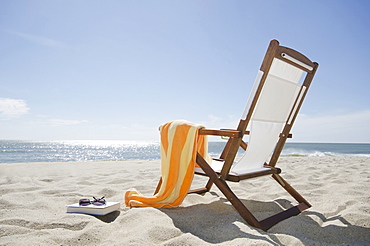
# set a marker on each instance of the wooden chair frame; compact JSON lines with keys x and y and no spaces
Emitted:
{"x":236,"y":141}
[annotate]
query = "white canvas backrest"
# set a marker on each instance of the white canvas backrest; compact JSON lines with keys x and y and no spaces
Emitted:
{"x":275,"y":103}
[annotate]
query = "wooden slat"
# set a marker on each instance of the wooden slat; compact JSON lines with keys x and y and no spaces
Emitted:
{"x":198,"y":191}
{"x":243,"y":145}
{"x":273,"y":220}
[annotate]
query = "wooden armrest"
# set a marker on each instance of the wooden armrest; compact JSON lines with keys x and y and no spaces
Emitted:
{"x":245,"y":133}
{"x":225,"y":133}
{"x":248,"y":133}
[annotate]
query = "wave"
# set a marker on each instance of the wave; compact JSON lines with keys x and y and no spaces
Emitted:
{"x":91,"y":150}
{"x":318,"y":153}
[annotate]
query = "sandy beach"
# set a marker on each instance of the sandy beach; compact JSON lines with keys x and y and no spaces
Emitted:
{"x":34,"y":198}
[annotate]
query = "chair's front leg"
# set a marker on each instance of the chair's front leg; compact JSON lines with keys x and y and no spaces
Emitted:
{"x":158,"y":186}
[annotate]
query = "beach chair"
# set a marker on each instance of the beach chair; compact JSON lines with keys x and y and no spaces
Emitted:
{"x":279,"y":90}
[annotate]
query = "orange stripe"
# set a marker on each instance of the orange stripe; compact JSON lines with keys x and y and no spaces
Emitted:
{"x":178,"y":141}
{"x":190,"y":172}
{"x":164,"y":136}
{"x":172,"y":148}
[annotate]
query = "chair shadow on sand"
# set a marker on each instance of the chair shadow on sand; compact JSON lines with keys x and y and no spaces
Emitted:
{"x":218,"y":222}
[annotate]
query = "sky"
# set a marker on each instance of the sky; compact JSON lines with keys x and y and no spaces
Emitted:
{"x":117,"y":70}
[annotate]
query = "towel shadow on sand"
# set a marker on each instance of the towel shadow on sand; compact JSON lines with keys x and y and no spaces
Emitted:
{"x":219,"y":222}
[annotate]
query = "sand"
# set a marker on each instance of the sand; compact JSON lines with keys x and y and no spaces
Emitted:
{"x":34,"y":198}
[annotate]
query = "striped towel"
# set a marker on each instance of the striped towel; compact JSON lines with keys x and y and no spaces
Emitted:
{"x":180,"y":143}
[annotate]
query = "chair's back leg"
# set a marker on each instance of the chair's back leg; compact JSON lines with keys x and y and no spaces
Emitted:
{"x":299,"y":198}
{"x":202,"y":190}
{"x":229,"y":194}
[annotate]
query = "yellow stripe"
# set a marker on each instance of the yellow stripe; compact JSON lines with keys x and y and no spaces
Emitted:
{"x":179,"y":142}
{"x":179,"y":145}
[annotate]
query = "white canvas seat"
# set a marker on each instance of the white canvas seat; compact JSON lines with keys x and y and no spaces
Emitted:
{"x":217,"y":167}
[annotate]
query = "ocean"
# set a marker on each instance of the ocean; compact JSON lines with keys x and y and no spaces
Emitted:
{"x":12,"y":151}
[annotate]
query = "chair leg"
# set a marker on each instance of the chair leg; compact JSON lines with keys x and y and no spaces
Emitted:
{"x":198,"y":191}
{"x":225,"y":189}
{"x":293,"y":211}
{"x":242,"y":209}
{"x":274,"y":219}
{"x":299,"y":198}
{"x":158,"y":186}
{"x":209,"y":184}
{"x":202,"y":190}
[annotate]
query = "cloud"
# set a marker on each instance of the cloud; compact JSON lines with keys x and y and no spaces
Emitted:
{"x":61,"y":122}
{"x":346,"y":127}
{"x":12,"y":108}
{"x":214,"y":121}
{"x":213,"y":118}
{"x":39,"y":40}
